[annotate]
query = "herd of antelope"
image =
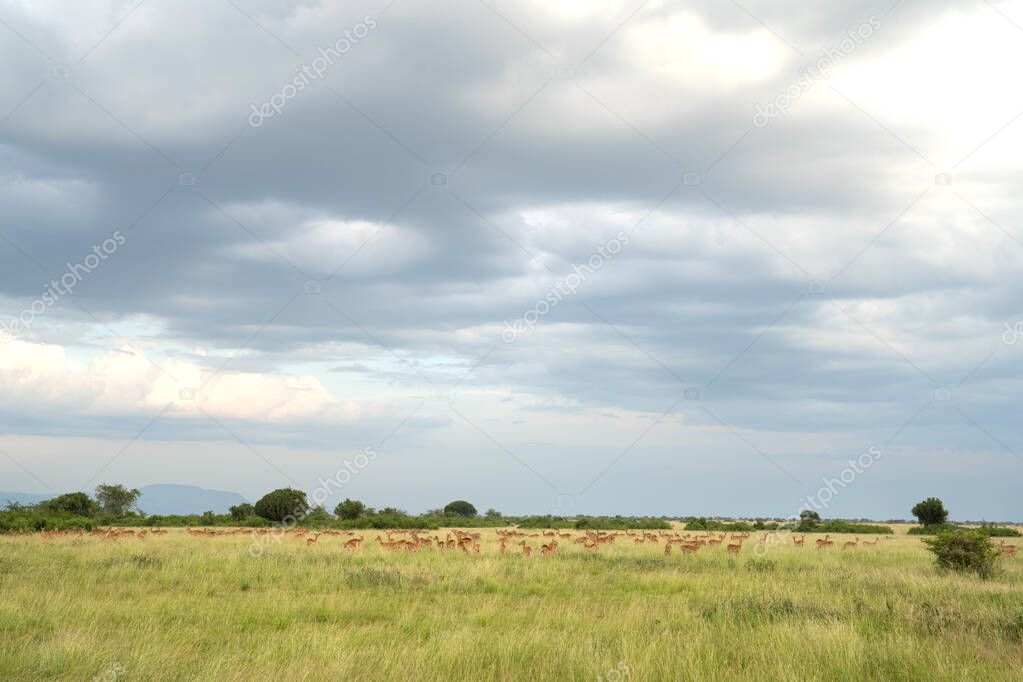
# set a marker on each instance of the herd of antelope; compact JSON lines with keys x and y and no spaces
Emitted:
{"x":470,"y":542}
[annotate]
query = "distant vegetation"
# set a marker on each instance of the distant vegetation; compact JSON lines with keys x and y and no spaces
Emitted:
{"x":808,"y":524}
{"x":933,"y":517}
{"x":116,"y":505}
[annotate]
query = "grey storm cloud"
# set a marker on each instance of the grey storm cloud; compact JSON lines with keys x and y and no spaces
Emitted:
{"x":462,"y":157}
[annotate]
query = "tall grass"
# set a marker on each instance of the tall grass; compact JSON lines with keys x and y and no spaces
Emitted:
{"x":181,"y":607}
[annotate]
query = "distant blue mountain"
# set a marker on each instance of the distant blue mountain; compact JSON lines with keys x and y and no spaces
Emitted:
{"x":161,"y":498}
{"x":23,"y":498}
{"x":167,"y":498}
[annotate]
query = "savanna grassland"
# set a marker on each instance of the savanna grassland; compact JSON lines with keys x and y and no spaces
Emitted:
{"x":182,"y":607}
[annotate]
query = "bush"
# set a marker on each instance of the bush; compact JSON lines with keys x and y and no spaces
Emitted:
{"x":460,"y":508}
{"x":282,"y":504}
{"x":933,"y":529}
{"x":999,"y":531}
{"x":856,"y":528}
{"x":591,"y":522}
{"x":240,"y":512}
{"x":964,"y":550}
{"x":990,"y":531}
{"x":349,"y":509}
{"x":709,"y":524}
{"x":76,"y":504}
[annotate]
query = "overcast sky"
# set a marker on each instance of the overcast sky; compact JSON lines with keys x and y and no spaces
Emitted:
{"x":609,"y":257}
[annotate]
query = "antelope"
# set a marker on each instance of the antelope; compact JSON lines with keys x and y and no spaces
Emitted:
{"x":548,"y":549}
{"x":353,"y":544}
{"x":798,"y":542}
{"x":1007,"y":550}
{"x":824,"y":542}
{"x":872,"y":544}
{"x":312,"y":541}
{"x":667,"y":548}
{"x":526,"y":549}
{"x":851,"y":544}
{"x":735,"y":549}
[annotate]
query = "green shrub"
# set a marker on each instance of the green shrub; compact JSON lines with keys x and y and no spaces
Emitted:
{"x":933,"y":529}
{"x":283,"y":504}
{"x":460,"y":508}
{"x":77,"y":504}
{"x":855,"y":528}
{"x":989,"y":530}
{"x":964,"y":550}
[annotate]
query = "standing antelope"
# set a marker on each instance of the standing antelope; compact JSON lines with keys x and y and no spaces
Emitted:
{"x":825,"y":542}
{"x":526,"y":549}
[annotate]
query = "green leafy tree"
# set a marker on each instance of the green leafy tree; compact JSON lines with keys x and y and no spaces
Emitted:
{"x":78,"y":504}
{"x":460,"y":508}
{"x":283,"y":504}
{"x":930,"y":512}
{"x":349,"y":509}
{"x":117,"y":500}
{"x":808,"y":521}
{"x":492,"y":514}
{"x":240,"y":512}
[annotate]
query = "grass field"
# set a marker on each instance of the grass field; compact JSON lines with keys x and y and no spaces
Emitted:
{"x":201,"y":608}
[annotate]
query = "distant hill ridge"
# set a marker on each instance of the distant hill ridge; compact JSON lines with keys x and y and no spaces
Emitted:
{"x":159,"y":498}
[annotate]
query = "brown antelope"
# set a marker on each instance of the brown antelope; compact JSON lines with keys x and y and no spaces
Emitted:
{"x":548,"y":549}
{"x":798,"y":542}
{"x":353,"y":544}
{"x":1007,"y":550}
{"x":526,"y":549}
{"x":735,"y":549}
{"x":312,"y":541}
{"x":825,"y":542}
{"x":667,"y":548}
{"x":851,"y":544}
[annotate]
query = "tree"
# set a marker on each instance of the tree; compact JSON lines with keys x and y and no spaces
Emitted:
{"x":808,"y":520}
{"x":116,"y":499}
{"x":460,"y":508}
{"x":349,"y":509}
{"x":493,"y":514}
{"x":78,"y":504}
{"x":281,"y":505}
{"x":930,"y":512}
{"x":240,"y":512}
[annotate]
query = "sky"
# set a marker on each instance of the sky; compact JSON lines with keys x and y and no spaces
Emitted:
{"x":651,"y":258}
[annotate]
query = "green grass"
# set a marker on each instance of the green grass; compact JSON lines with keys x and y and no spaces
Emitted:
{"x":181,"y":607}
